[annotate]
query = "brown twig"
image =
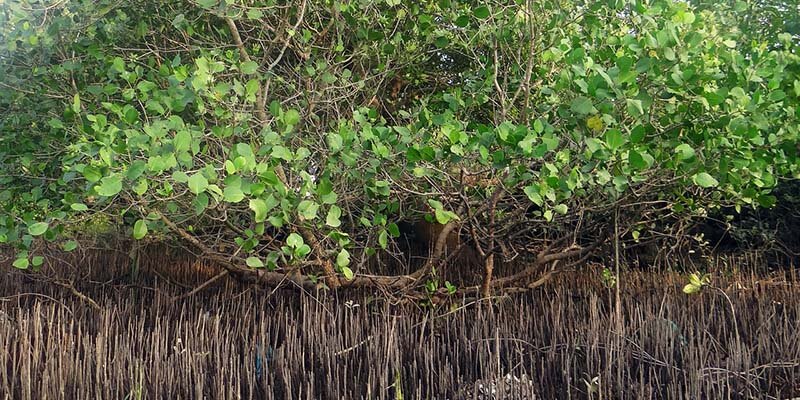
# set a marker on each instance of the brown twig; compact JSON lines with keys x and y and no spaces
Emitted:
{"x":205,"y":284}
{"x":78,"y":294}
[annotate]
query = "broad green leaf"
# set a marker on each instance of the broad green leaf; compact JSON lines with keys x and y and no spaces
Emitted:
{"x":207,"y":3}
{"x":291,"y":117}
{"x":335,"y":142}
{"x":233,"y":194}
{"x":614,"y":139}
{"x":294,"y":240}
{"x":78,"y":207}
{"x":533,"y":194}
{"x":581,"y":105}
{"x":343,"y":258}
{"x":704,"y":180}
{"x":69,"y":245}
{"x":481,"y":12}
{"x":635,"y":107}
{"x":307,"y":209}
{"x":684,"y":151}
{"x":691,"y":288}
{"x":383,"y":239}
{"x":443,"y":216}
{"x":462,"y":21}
{"x":200,"y":203}
{"x":249,"y":67}
{"x":197,"y":183}
{"x":182,"y":141}
{"x":38,"y":228}
{"x":282,"y":153}
{"x":254,"y":262}
{"x":636,"y":160}
{"x":109,"y":186}
{"x":140,"y":229}
{"x":21,"y":263}
{"x":334,"y":213}
{"x":538,"y":126}
{"x":260,"y":209}
{"x":302,"y":251}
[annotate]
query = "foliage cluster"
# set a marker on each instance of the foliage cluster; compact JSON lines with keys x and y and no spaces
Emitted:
{"x":283,"y":137}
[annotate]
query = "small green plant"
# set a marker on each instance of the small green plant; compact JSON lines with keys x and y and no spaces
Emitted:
{"x":608,"y":278}
{"x":432,"y":285}
{"x":696,"y":283}
{"x":451,"y":289}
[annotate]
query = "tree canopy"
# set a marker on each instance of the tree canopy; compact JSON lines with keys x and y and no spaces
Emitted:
{"x":288,"y":140}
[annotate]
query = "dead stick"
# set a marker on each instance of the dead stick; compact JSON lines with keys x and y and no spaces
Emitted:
{"x":203,"y":286}
{"x":80,"y":295}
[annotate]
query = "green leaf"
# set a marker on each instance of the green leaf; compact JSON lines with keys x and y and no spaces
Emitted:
{"x":348,"y":273}
{"x":614,"y":139}
{"x":383,"y":239}
{"x":76,"y":103}
{"x":561,"y":209}
{"x":302,"y":251}
{"x":182,"y":141}
{"x":200,"y":203}
{"x":533,"y":194}
{"x":684,"y":151}
{"x":140,"y":229}
{"x":294,"y":240}
{"x":21,"y":263}
{"x":37,"y":229}
{"x":636,"y":160}
{"x":37,"y":261}
{"x":462,"y":21}
{"x":334,"y":214}
{"x":307,"y":209}
{"x":78,"y":207}
{"x":197,"y":183}
{"x":69,"y":245}
{"x":207,"y":3}
{"x":691,"y":288}
{"x":249,"y":67}
{"x":291,"y":117}
{"x":233,"y":194}
{"x":260,"y":208}
{"x":282,"y":153}
{"x":335,"y":142}
{"x":634,"y":107}
{"x":767,"y":201}
{"x":343,"y":259}
{"x":704,"y":180}
{"x":481,"y":12}
{"x":131,"y":115}
{"x":538,"y":126}
{"x":581,"y":105}
{"x":109,"y":186}
{"x":254,"y":262}
{"x":443,"y":216}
